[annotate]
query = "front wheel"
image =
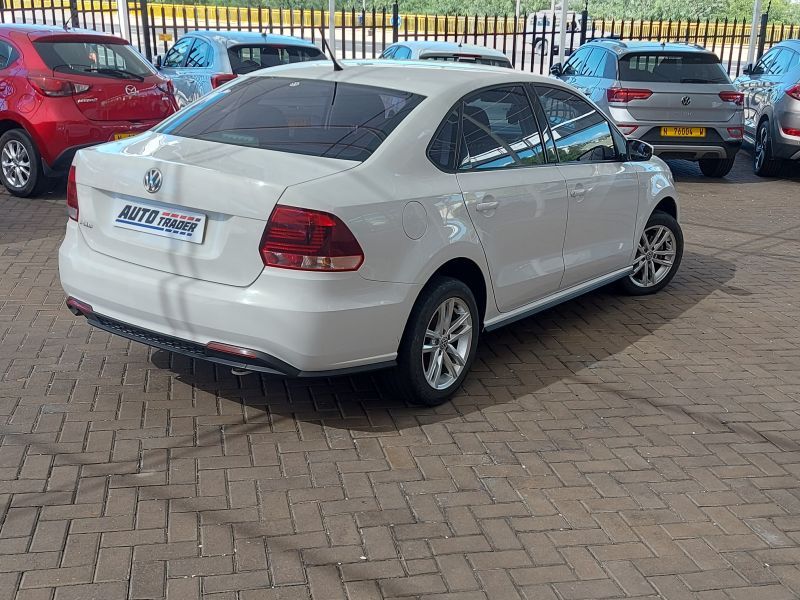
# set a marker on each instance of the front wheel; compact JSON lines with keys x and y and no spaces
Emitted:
{"x":716,"y":167}
{"x":658,"y":256}
{"x":439,"y":343}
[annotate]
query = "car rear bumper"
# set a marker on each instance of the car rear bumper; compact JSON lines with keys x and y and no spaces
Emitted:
{"x":695,"y":151}
{"x":292,"y":323}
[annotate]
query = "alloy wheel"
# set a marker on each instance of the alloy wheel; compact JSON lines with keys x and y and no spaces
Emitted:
{"x":16,"y":164}
{"x":762,"y":143}
{"x":446,"y":344}
{"x":654,"y":256}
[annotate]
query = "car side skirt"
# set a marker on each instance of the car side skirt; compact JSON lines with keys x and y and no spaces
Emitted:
{"x":555,"y":299}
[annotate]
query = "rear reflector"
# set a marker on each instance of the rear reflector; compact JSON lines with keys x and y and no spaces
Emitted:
{"x":794,"y":91}
{"x":736,"y":132}
{"x":76,"y":307}
{"x":736,"y":98}
{"x":627,"y":129}
{"x":233,"y":350}
{"x":625,"y":95}
{"x":309,"y":240}
{"x":72,"y":195}
{"x":791,"y":131}
{"x":221,"y":78}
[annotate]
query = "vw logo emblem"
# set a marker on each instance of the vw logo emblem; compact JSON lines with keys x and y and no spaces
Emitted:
{"x":152,"y":181}
{"x":131,"y":90}
{"x":686,"y":100}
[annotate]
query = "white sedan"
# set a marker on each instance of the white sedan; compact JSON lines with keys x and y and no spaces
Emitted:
{"x":312,"y":222}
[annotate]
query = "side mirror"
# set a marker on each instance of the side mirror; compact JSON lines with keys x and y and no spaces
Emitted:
{"x":639,"y":151}
{"x":557,"y":70}
{"x":159,"y":61}
{"x":748,"y":70}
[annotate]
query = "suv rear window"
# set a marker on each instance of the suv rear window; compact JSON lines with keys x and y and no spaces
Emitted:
{"x":245,"y":59}
{"x":672,"y":67}
{"x":475,"y":60}
{"x":94,"y":58}
{"x":301,"y":116}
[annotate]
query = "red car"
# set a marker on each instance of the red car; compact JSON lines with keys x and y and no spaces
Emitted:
{"x":64,"y":90}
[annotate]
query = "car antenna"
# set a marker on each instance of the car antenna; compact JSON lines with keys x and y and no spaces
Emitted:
{"x":337,"y":66}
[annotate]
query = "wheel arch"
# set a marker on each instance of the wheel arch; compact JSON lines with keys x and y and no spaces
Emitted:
{"x":668,"y":205}
{"x":467,"y":271}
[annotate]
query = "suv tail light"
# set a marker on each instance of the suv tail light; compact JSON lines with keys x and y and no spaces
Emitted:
{"x":736,"y":98}
{"x":55,"y":87}
{"x":221,"y":78}
{"x":72,"y":195}
{"x":627,"y":129}
{"x":309,"y":240}
{"x":791,"y":131}
{"x":625,"y":95}
{"x":794,"y":91}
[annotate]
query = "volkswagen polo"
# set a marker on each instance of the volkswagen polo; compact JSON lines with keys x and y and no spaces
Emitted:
{"x":308,"y":221}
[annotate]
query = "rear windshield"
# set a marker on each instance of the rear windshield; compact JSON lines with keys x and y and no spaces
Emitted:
{"x":245,"y":59}
{"x":476,"y":60}
{"x":96,"y":59}
{"x":672,"y":67}
{"x":301,"y":116}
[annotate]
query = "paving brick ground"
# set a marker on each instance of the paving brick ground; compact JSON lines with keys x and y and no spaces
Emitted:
{"x":610,"y":448}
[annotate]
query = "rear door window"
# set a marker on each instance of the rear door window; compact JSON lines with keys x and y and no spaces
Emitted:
{"x":93,"y":58}
{"x":672,"y":67}
{"x":199,"y":56}
{"x":249,"y":58}
{"x":7,"y":54}
{"x":300,"y":116}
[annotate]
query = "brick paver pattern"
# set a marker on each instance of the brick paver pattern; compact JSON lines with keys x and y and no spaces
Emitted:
{"x":610,"y":448}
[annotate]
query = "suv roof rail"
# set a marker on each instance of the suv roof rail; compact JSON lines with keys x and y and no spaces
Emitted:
{"x":613,"y":40}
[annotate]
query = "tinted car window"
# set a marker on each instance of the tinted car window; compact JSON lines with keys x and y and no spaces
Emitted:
{"x":575,"y":64}
{"x":594,"y":64}
{"x":199,"y":56}
{"x":96,"y":59}
{"x":609,"y":66}
{"x":177,"y":53}
{"x":767,"y":63}
{"x":444,"y":146}
{"x":672,"y":67}
{"x":403,"y":52}
{"x":246,"y":59}
{"x":785,"y":62}
{"x":499,"y":130}
{"x":7,"y":54}
{"x":389,"y":52}
{"x":301,"y":116}
{"x":477,"y":60}
{"x":580,"y":132}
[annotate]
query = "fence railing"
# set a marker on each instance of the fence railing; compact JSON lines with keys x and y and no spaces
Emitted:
{"x":531,"y":42}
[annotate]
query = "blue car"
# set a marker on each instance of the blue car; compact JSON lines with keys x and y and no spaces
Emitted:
{"x":203,"y":60}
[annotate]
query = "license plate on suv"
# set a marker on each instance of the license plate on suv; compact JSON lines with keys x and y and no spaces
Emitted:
{"x":690,"y":132}
{"x":176,"y":223}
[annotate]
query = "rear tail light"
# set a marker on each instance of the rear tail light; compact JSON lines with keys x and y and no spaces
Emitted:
{"x":627,"y":129}
{"x":72,"y":195}
{"x":791,"y":131}
{"x":794,"y":91}
{"x":166,"y":87}
{"x":736,"y":98}
{"x":625,"y":95}
{"x":736,"y":132}
{"x":221,"y":78}
{"x":309,"y":240}
{"x":55,"y":87}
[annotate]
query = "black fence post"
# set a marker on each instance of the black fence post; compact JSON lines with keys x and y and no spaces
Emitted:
{"x":762,"y":36}
{"x":584,"y":23}
{"x":148,"y":50}
{"x":395,"y":21}
{"x":73,"y":12}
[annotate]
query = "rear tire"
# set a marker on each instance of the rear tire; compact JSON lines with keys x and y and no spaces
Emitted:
{"x":658,"y":256}
{"x":764,"y":163}
{"x":716,"y":167}
{"x":439,"y":343}
{"x":21,"y":165}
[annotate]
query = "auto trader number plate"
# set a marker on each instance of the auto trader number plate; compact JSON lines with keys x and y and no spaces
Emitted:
{"x":693,"y":132}
{"x":176,"y":223}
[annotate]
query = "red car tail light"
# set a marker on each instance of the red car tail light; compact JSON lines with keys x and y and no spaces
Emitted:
{"x":309,"y":240}
{"x":791,"y":131}
{"x":55,"y":87}
{"x":234,"y":350}
{"x":625,"y":95}
{"x":794,"y":91}
{"x":72,"y":195}
{"x":736,"y":132}
{"x":221,"y":78}
{"x":627,"y":129}
{"x":736,"y":98}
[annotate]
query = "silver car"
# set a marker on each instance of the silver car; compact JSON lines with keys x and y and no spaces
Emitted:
{"x":446,"y":51}
{"x":676,"y":97}
{"x":203,"y":60}
{"x":771,"y":91}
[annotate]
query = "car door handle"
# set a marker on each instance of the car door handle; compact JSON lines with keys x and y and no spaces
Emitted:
{"x":487,"y":206}
{"x":578,"y":192}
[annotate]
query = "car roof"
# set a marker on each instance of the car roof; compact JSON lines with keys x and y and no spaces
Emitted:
{"x":623,"y":47}
{"x":793,"y":44}
{"x":453,"y":47}
{"x":424,"y":77}
{"x":233,"y":38}
{"x":35,"y":31}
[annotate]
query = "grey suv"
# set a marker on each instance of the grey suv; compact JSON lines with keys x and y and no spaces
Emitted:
{"x":771,"y":90}
{"x":676,"y":97}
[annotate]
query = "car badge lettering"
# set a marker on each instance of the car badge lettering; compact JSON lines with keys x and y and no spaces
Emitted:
{"x":131,"y":90}
{"x":686,"y":100}
{"x":152,"y":181}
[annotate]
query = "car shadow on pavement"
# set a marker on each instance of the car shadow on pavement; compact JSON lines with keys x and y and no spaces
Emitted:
{"x":564,"y":345}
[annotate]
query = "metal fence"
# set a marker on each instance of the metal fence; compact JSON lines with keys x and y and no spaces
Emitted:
{"x":530,"y":41}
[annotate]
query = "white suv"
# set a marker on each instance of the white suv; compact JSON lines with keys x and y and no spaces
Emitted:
{"x":307,"y":221}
